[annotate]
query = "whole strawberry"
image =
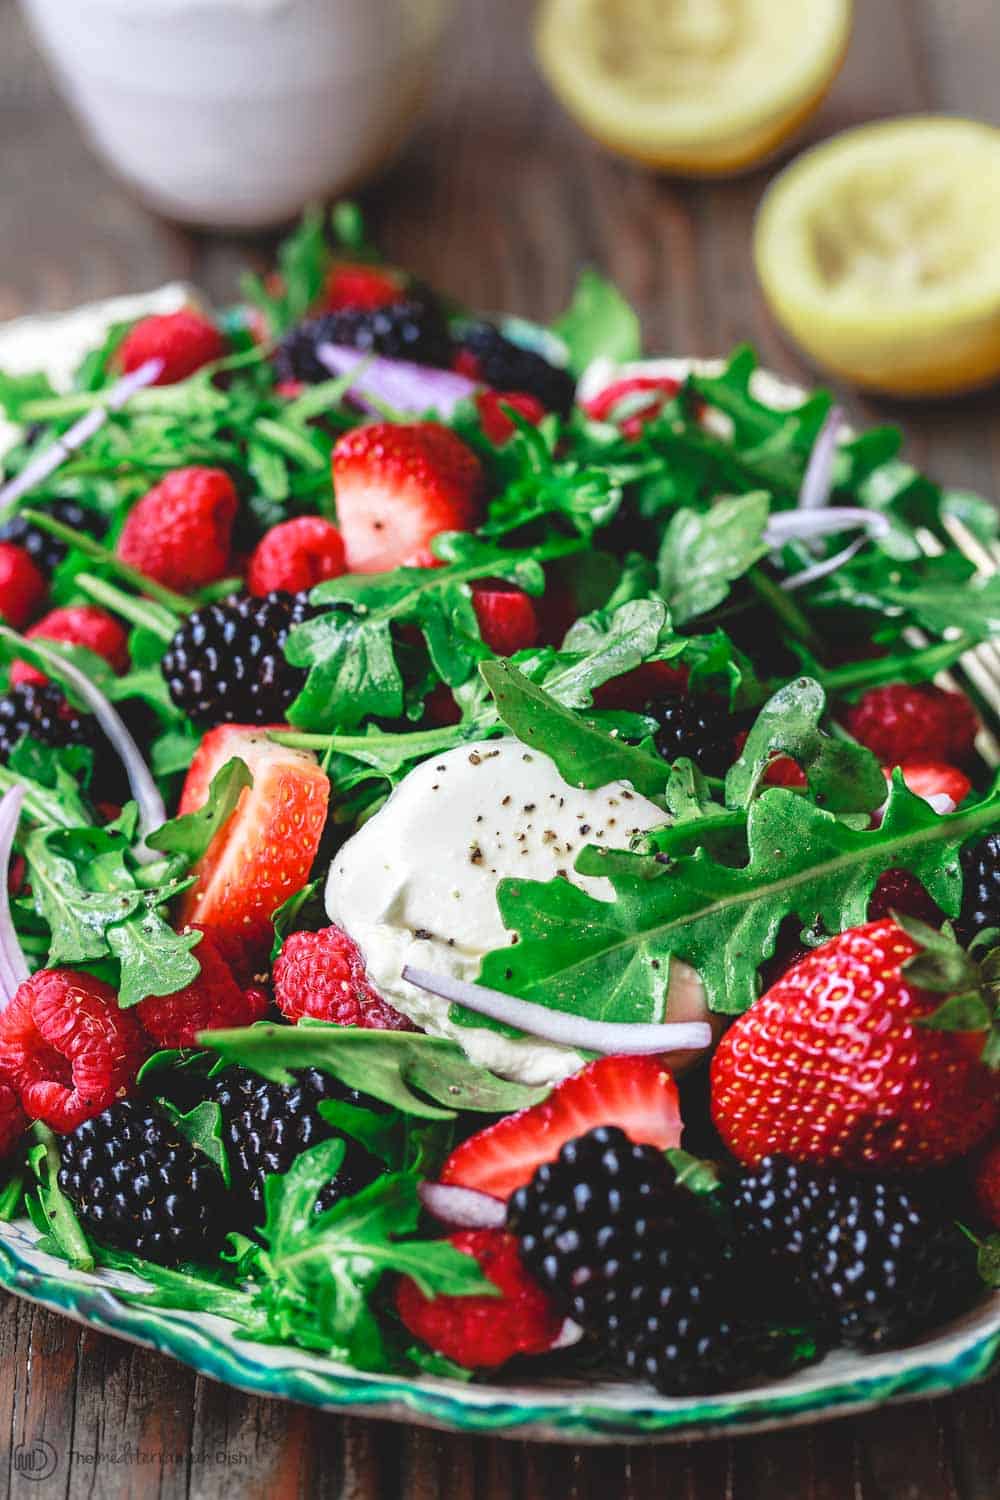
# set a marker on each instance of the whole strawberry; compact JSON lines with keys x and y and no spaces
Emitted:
{"x":483,"y":1332}
{"x":77,"y":625}
{"x":22,"y":586}
{"x":212,"y":1001}
{"x":184,"y":341}
{"x":838,"y":1065}
{"x":906,"y":722}
{"x":68,"y":1048}
{"x":296,"y":555}
{"x":322,"y":975}
{"x":180,"y":532}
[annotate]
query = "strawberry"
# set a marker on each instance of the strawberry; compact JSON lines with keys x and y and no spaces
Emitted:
{"x":68,"y":1048}
{"x":77,"y":625}
{"x":322,"y":975}
{"x":184,"y":341}
{"x":496,"y":422}
{"x":296,"y":555}
{"x":506,"y":615}
{"x":180,"y":533}
{"x":211,"y":1002}
{"x":399,"y":485}
{"x":944,"y":786}
{"x":355,"y":285}
{"x":22,"y":586}
{"x":264,"y":852}
{"x":644,"y":684}
{"x":835,"y":1065}
{"x":483,"y":1332}
{"x":906,"y":722}
{"x":659,"y":388}
{"x":782,"y":770}
{"x":636,"y":1093}
{"x":986,"y":1184}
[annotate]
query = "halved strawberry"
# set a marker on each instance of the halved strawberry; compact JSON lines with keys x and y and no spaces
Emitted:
{"x":934,"y":779}
{"x":265,"y":851}
{"x":507,"y":618}
{"x":398,"y":485}
{"x":636,"y":1093}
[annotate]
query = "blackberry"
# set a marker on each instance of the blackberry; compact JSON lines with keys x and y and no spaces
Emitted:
{"x":698,"y":727}
{"x":138,"y":1185}
{"x":46,"y":551}
{"x":484,"y":354}
{"x":412,"y":329}
{"x":226,"y":664}
{"x":981,"y":894}
{"x":267,"y":1125}
{"x":41,"y":711}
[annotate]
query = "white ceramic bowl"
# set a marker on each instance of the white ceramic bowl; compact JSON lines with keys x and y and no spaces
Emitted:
{"x":235,"y":113}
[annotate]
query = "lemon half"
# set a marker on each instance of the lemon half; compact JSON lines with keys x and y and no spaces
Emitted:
{"x":878,"y":252}
{"x":700,"y":87}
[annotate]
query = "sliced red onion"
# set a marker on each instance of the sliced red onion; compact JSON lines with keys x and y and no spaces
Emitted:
{"x":409,"y":388}
{"x":81,"y":432}
{"x":806,"y":525}
{"x":461,"y":1207}
{"x":562,"y":1027}
{"x":569,"y":1334}
{"x":818,"y":480}
{"x":13,"y":968}
{"x":152,"y":813}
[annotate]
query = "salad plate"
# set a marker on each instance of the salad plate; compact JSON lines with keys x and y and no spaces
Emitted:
{"x":602,"y":724}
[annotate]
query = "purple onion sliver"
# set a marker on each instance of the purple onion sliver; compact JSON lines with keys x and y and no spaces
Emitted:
{"x":569,"y":1334}
{"x":818,"y":480}
{"x":806,"y":525}
{"x":81,"y":432}
{"x":461,"y":1207}
{"x":561,"y":1026}
{"x":13,"y":968}
{"x":407,"y":387}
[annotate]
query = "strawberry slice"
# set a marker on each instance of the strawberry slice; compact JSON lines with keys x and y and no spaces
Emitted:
{"x":265,"y":851}
{"x":934,"y":779}
{"x":636,"y":1093}
{"x":508,"y":621}
{"x":398,"y":485}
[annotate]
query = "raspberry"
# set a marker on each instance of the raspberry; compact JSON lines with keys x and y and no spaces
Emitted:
{"x":482,"y":1332}
{"x":322,"y":974}
{"x":184,"y":341}
{"x":22,"y":586}
{"x":903,"y":722}
{"x":507,"y":618}
{"x":13,"y":1120}
{"x":349,"y":284}
{"x":68,"y":1048}
{"x":898,"y":890}
{"x":296,"y":555}
{"x":495,"y":421}
{"x":180,"y":532}
{"x":77,"y":625}
{"x":210,"y":1002}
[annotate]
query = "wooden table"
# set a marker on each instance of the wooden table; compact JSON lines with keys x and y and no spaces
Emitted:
{"x":499,"y":200}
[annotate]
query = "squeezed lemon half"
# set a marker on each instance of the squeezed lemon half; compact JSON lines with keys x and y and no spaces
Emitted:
{"x":878,"y":252}
{"x":700,"y":87}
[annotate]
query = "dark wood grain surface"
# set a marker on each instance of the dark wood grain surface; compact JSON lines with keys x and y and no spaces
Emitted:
{"x":499,"y":200}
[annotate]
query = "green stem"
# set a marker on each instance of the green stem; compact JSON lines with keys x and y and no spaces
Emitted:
{"x":178,"y":603}
{"x":781,"y":604}
{"x":917,"y":667}
{"x":139,"y":612}
{"x":358,"y":745}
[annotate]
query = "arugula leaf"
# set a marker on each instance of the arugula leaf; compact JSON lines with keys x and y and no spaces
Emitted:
{"x":586,"y":755}
{"x":154,"y":959}
{"x":378,"y":1132}
{"x":192,"y":833}
{"x":403,"y":1069}
{"x":598,"y":323}
{"x":202,"y":1127}
{"x":843,"y":776}
{"x":12,"y":1196}
{"x":302,"y":264}
{"x":608,"y":960}
{"x":704,"y":552}
{"x":58,"y":1216}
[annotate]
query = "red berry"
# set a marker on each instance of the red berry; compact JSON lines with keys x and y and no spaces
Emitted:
{"x":397,"y":486}
{"x":184,"y":341}
{"x":180,"y":532}
{"x":296,"y":555}
{"x":832,"y":1066}
{"x":290,"y":390}
{"x":482,"y":1332}
{"x":903,"y":722}
{"x":13,"y":1120}
{"x":898,"y":890}
{"x":986,"y":1184}
{"x":77,"y":625}
{"x":322,"y":974}
{"x":933,"y":779}
{"x":636,"y":1093}
{"x":495,"y":421}
{"x":210,"y":1002}
{"x":354,"y":285}
{"x":782,"y":770}
{"x":69,"y":1049}
{"x":440,"y":707}
{"x":22,"y":586}
{"x":506,"y":615}
{"x":644,"y":684}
